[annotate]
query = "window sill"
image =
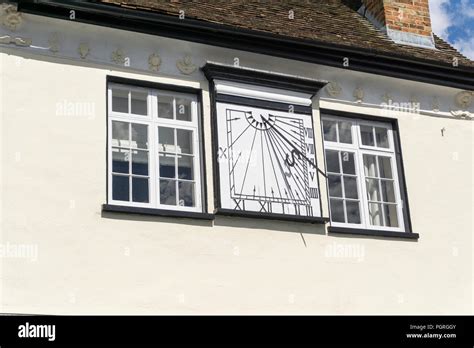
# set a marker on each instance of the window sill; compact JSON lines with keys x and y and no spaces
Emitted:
{"x":156,"y":212}
{"x":272,"y":216}
{"x":374,"y":233}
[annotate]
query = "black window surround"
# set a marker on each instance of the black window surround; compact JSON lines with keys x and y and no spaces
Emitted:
{"x":408,"y":234}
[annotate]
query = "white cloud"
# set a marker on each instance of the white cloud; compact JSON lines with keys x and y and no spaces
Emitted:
{"x":466,"y":47}
{"x":440,"y":18}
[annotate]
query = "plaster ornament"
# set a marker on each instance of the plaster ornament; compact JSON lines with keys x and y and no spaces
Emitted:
{"x":387,"y":98}
{"x":118,"y":57}
{"x":414,"y":100}
{"x":186,"y":66}
{"x":10,"y":17}
{"x":19,"y":41}
{"x":464,"y":99}
{"x":333,"y":89}
{"x":359,"y":94}
{"x":83,"y":50}
{"x":54,"y":43}
{"x":154,"y":62}
{"x":435,"y":104}
{"x":462,"y":114}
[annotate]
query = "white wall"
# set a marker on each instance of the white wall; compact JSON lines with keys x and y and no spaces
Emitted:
{"x":53,"y":177}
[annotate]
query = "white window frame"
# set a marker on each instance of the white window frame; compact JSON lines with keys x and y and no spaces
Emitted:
{"x":153,"y":122}
{"x":359,"y":150}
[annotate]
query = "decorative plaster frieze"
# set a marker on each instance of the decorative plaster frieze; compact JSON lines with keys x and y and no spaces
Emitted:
{"x":435,"y":104}
{"x":333,"y":89}
{"x":10,"y":17}
{"x":464,"y":99}
{"x":359,"y":95}
{"x":83,"y":50}
{"x":462,"y":114}
{"x":18,"y":41}
{"x":54,"y":43}
{"x":387,"y":98}
{"x":118,"y":57}
{"x":186,"y":66}
{"x":154,"y":62}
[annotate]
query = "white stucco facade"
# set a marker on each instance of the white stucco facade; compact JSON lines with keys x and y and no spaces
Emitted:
{"x":53,"y":185}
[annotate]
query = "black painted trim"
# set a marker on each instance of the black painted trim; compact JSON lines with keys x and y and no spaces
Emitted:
{"x":264,"y":104}
{"x":271,"y":216}
{"x":156,"y":212}
{"x":188,"y":29}
{"x":377,"y":233}
{"x":262,"y":78}
{"x":398,"y":156}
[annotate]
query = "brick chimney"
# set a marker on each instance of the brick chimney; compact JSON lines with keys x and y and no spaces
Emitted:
{"x":404,"y":21}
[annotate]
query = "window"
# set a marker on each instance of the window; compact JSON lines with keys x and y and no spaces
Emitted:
{"x":154,"y":149}
{"x":361,"y":166}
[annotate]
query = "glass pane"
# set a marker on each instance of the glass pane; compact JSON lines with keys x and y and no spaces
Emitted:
{"x":370,"y":166}
{"x":329,"y":129}
{"x":185,"y":141}
{"x":367,"y":136}
{"x":167,"y":166}
{"x":168,"y":192}
{"x":140,"y":162}
{"x":385,"y":167}
{"x":120,"y":134}
{"x":140,"y":190}
{"x":186,"y":194}
{"x":348,"y":166}
{"x":140,"y":136}
{"x":388,"y":193}
{"x":337,"y":210}
{"x":350,"y":187}
{"x":335,"y":188}
{"x":373,"y":191}
{"x":345,"y":135}
{"x":120,"y":100}
{"x":166,"y":139}
{"x":381,"y":136}
{"x":183,"y":109}
{"x":375,"y":214}
{"x":185,"y":167}
{"x":165,"y":106}
{"x":120,"y":188}
{"x":353,"y":212}
{"x":390,"y":211}
{"x":139,"y":103}
{"x":332,"y":161}
{"x":120,"y":160}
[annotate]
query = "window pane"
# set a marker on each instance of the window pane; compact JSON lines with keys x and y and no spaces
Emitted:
{"x":165,"y":106}
{"x":120,"y":100}
{"x":329,"y":129}
{"x":332,"y":161}
{"x":366,"y":135}
{"x":350,"y":187}
{"x":390,"y":211}
{"x":186,"y":194}
{"x":353,"y":212}
{"x":370,"y":166}
{"x":120,"y":134}
{"x":373,"y":191}
{"x":168,"y":192}
{"x":139,"y":103}
{"x":385,"y":167}
{"x":183,"y":109}
{"x":335,"y":188}
{"x":348,"y":166}
{"x":140,"y":162}
{"x":388,"y":193}
{"x":185,"y":141}
{"x":120,"y":188}
{"x":166,"y":139}
{"x":345,"y":135}
{"x":375,"y":214}
{"x":337,"y":210}
{"x":185,"y":167}
{"x":120,"y":160}
{"x":381,"y":136}
{"x":167,"y":166}
{"x":139,"y":136}
{"x":140,"y":190}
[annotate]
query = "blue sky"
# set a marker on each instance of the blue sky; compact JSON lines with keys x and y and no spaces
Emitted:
{"x":453,"y":20}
